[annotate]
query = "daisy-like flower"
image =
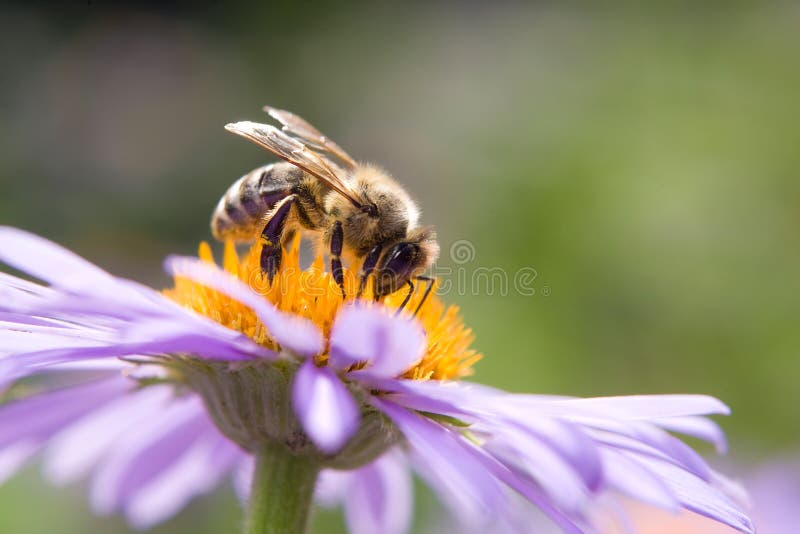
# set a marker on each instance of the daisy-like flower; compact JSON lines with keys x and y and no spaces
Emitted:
{"x":160,"y":396}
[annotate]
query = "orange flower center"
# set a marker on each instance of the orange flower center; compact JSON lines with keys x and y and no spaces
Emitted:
{"x":312,"y":293}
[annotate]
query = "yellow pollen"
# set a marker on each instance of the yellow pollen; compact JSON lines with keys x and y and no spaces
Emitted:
{"x":313,"y":293}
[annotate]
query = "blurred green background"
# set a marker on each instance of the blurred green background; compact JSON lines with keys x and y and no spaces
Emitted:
{"x":643,"y":161}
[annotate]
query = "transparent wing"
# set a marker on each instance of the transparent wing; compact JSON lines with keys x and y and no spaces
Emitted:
{"x":299,"y":127}
{"x":297,"y":153}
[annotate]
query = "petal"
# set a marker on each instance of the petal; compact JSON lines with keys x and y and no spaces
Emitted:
{"x":73,"y":452}
{"x":197,"y":470}
{"x":616,"y":415}
{"x":27,"y":424}
{"x":630,"y":478}
{"x":390,"y":343}
{"x":628,"y":436}
{"x":40,"y":416}
{"x":696,"y":495}
{"x":332,"y":487}
{"x":47,"y":261}
{"x":151,"y":448}
{"x":13,"y":457}
{"x":514,"y":435}
{"x":698,"y":427}
{"x":328,"y":412}
{"x":529,"y":490}
{"x":243,"y":478}
{"x":640,"y":406}
{"x":296,"y":334}
{"x":446,"y":463}
{"x":94,"y":316}
{"x":380,"y":497}
{"x":531,"y":457}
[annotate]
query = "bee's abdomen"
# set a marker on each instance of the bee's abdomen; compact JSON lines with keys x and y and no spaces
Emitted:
{"x":241,"y":210}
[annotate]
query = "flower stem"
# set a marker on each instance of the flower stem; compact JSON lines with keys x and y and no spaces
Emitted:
{"x":281,"y":493}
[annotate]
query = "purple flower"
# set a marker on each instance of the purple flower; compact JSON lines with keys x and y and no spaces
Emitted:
{"x":775,"y":491}
{"x":159,"y":404}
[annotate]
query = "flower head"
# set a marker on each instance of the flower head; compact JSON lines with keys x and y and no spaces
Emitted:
{"x":222,"y":364}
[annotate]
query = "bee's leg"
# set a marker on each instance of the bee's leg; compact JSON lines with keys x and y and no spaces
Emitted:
{"x":272,"y":237}
{"x":430,"y":282}
{"x":337,"y":240}
{"x":408,"y":297}
{"x":367,"y":267}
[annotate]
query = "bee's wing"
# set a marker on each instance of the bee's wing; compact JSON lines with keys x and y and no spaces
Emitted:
{"x":296,"y":153}
{"x":299,"y":127}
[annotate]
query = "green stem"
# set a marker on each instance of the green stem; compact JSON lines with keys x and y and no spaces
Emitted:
{"x":280,"y":497}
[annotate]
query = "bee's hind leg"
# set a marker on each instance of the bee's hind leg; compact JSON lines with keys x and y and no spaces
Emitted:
{"x":272,"y":237}
{"x":337,"y":241}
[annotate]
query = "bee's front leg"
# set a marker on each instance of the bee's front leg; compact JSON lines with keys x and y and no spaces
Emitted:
{"x":408,"y":297}
{"x":428,"y":280}
{"x":367,"y":267}
{"x":272,"y":237}
{"x":337,"y":241}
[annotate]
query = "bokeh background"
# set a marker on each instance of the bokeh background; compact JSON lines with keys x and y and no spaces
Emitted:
{"x":642,"y":161}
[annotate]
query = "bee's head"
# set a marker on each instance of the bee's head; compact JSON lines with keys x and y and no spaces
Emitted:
{"x":403,"y":260}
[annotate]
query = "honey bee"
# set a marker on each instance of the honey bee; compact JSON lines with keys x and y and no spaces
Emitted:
{"x":354,"y":210}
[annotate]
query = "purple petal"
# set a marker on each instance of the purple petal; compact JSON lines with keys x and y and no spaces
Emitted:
{"x":107,"y":318}
{"x":630,"y":478}
{"x":243,"y":478}
{"x":296,"y":334}
{"x":652,"y":436}
{"x":524,"y":454}
{"x":13,"y":457}
{"x":446,"y":463}
{"x":39,"y":417}
{"x":27,"y":424}
{"x":625,"y":417}
{"x":138,"y":460}
{"x":380,"y":497}
{"x":628,"y":436}
{"x":73,"y":452}
{"x":509,"y":428}
{"x":775,"y":490}
{"x":47,"y":261}
{"x":527,"y":489}
{"x":156,"y":336}
{"x":696,"y":495}
{"x":698,"y":427}
{"x":31,"y":289}
{"x":197,"y":470}
{"x":332,"y":487}
{"x":369,"y":334}
{"x":639,"y":406}
{"x":327,"y":411}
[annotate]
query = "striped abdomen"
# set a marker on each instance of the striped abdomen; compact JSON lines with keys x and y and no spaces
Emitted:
{"x":240,"y":213}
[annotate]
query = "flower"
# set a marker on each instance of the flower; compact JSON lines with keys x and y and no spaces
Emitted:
{"x":163,"y":395}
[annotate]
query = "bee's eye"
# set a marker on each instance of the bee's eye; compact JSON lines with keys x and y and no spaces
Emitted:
{"x":396,"y":267}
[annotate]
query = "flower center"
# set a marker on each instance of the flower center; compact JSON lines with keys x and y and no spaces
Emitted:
{"x":313,"y":293}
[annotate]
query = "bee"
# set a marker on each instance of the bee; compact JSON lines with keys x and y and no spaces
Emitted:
{"x":354,"y":210}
